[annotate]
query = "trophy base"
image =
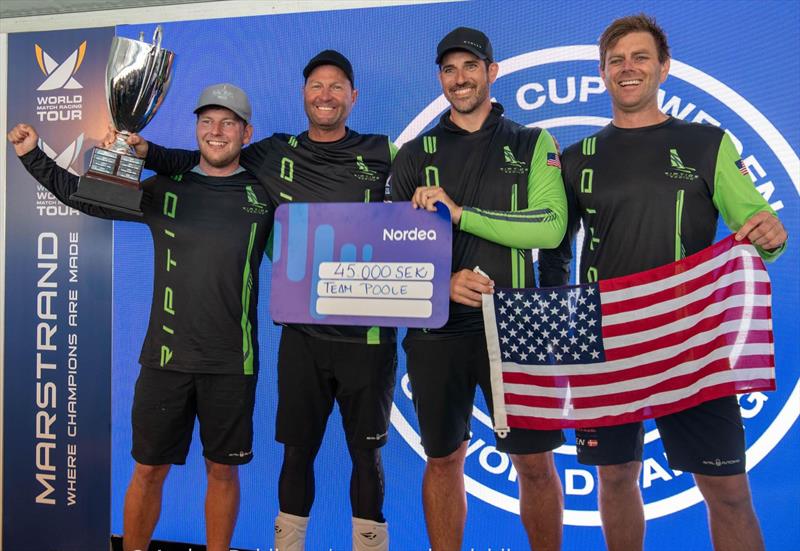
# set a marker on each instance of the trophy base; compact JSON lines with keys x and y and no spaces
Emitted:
{"x":109,"y":195}
{"x":112,"y":182}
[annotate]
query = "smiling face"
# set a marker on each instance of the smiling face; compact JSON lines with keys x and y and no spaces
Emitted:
{"x":220,"y":136}
{"x":632,"y":75}
{"x":328,"y":98}
{"x":465,"y":80}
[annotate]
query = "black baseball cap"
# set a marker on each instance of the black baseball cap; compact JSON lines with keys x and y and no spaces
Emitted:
{"x":330,"y":57}
{"x":464,"y":38}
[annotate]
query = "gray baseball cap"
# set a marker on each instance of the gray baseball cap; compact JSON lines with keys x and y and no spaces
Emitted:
{"x":227,"y":96}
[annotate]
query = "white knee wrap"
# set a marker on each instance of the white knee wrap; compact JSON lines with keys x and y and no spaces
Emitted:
{"x":369,"y":535}
{"x":290,"y":532}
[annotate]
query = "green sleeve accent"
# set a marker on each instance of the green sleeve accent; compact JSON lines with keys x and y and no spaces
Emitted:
{"x":542,"y":224}
{"x":374,"y":335}
{"x":735,"y":196}
{"x":392,"y":150}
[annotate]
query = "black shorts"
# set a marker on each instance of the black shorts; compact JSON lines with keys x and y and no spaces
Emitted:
{"x":165,"y":404}
{"x":444,"y":373}
{"x":707,"y":439}
{"x":313,"y":372}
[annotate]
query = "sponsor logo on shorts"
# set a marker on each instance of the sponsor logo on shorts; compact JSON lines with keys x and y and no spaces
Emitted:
{"x":241,"y":454}
{"x":378,"y":436}
{"x":721,"y":462}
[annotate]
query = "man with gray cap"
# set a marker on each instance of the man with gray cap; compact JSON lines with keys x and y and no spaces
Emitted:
{"x":322,"y":364}
{"x":507,"y":178}
{"x":200,"y":355}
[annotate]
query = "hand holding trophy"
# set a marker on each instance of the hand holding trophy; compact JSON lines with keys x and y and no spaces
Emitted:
{"x":138,"y":76}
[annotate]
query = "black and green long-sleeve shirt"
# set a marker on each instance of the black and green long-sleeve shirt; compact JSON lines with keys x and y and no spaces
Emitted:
{"x":649,"y":196}
{"x":507,"y":178}
{"x":209,"y":235}
{"x":299,"y":169}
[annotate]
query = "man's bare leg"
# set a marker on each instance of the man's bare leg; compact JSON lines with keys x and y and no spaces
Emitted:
{"x":731,"y":518}
{"x":445,"y":500}
{"x":142,"y":505}
{"x":222,"y":505}
{"x":621,"y":508}
{"x":541,"y":500}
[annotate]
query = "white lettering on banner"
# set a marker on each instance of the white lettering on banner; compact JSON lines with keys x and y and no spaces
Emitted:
{"x":59,"y":108}
{"x":756,"y":401}
{"x":578,"y":482}
{"x":45,"y":437}
{"x":72,"y":371}
{"x":414,"y":234}
{"x":73,"y":259}
{"x":532,"y":95}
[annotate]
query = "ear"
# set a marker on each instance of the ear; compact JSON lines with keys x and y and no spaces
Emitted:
{"x":248,"y":134}
{"x":601,"y":72}
{"x":355,"y":96}
{"x":493,"y":69}
{"x":664,"y":71}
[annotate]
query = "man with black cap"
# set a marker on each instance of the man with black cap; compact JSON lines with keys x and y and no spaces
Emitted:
{"x":320,"y":364}
{"x":508,"y":180}
{"x":200,"y":355}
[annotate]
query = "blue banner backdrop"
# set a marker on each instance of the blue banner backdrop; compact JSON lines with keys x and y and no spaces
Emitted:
{"x":548,"y":78}
{"x":724,"y":72}
{"x":57,"y":401}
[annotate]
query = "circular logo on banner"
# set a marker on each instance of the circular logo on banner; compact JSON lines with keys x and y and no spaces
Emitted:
{"x":559,"y":89}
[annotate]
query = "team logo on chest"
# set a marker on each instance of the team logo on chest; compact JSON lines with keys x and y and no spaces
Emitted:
{"x":254,"y":206}
{"x":364,"y":172}
{"x":512,"y":165}
{"x":679,"y":171}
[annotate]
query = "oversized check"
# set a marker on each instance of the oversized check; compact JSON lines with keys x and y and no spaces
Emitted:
{"x":368,"y":264}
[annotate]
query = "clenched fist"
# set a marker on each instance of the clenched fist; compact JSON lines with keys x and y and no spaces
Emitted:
{"x":24,"y":139}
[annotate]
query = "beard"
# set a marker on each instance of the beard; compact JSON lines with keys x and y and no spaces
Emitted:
{"x":467,"y":106}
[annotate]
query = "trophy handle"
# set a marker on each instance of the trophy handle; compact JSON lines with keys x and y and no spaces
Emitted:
{"x":157,"y":37}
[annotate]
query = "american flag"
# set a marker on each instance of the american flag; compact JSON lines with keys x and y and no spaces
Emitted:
{"x":634,"y":347}
{"x":742,"y":167}
{"x":553,"y":160}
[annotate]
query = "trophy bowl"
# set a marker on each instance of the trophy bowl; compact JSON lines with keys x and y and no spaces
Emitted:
{"x":138,"y":76}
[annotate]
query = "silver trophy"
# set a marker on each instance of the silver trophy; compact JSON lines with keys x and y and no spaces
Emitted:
{"x":138,"y":76}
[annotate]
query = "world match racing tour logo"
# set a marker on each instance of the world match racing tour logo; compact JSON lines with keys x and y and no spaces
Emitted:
{"x":559,"y":89}
{"x":59,"y":106}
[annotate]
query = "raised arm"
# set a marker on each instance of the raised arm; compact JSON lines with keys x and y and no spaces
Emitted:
{"x":170,"y":161}
{"x":55,"y":179}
